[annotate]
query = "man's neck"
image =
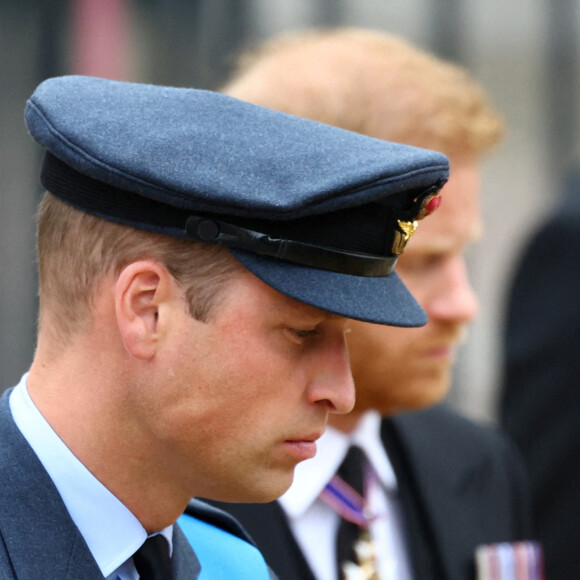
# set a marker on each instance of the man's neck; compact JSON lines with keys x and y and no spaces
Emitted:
{"x":65,"y":400}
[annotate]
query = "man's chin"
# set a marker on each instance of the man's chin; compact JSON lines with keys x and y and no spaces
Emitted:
{"x":275,"y":488}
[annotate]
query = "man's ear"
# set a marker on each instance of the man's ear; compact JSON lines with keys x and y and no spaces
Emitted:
{"x":143,"y":288}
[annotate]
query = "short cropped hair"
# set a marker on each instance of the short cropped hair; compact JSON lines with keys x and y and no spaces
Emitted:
{"x":372,"y":83}
{"x":76,"y":250}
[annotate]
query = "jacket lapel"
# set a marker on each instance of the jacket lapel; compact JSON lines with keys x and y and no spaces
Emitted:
{"x":185,"y":564}
{"x":421,"y":541}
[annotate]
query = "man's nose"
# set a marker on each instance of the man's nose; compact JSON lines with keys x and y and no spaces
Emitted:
{"x":333,"y":383}
{"x":453,"y":298}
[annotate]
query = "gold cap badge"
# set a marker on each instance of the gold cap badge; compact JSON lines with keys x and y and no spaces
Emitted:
{"x":408,"y":228}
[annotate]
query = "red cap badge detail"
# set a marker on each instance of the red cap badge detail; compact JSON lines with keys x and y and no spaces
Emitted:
{"x":429,"y":205}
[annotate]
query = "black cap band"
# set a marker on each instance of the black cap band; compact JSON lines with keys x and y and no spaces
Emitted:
{"x":119,"y":205}
{"x":110,"y":202}
{"x":214,"y":231}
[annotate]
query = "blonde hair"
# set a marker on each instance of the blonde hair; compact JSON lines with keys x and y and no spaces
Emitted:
{"x":76,"y":250}
{"x":372,"y":83}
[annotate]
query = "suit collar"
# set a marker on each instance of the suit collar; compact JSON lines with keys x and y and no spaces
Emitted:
{"x":109,"y":528}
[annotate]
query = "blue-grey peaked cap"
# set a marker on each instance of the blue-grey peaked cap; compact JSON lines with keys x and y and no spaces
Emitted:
{"x":316,"y":212}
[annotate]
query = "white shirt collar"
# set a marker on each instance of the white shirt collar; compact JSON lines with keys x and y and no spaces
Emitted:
{"x":112,"y":533}
{"x":312,"y":475}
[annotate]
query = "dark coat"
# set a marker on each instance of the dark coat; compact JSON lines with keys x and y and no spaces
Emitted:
{"x":540,"y":398}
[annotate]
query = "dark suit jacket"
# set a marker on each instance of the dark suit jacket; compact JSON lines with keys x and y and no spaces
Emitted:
{"x":39,"y":540}
{"x":540,"y":402}
{"x":461,"y":485}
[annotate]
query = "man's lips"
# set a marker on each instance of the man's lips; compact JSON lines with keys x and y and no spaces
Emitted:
{"x":303,"y":447}
{"x":310,"y":438}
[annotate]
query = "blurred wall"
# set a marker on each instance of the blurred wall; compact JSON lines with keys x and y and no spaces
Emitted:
{"x":28,"y":51}
{"x":526,"y":54}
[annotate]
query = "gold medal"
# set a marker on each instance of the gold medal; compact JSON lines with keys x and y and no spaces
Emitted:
{"x":366,"y":555}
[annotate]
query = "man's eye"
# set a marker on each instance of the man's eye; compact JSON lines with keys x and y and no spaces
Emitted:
{"x":304,"y":333}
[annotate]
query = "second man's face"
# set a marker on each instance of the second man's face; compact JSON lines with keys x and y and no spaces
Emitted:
{"x":407,"y":368}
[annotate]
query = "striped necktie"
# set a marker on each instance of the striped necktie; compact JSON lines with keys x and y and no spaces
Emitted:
{"x":351,"y":472}
{"x":344,"y":493}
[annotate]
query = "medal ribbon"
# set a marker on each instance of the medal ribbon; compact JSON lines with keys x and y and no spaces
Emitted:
{"x":510,"y":561}
{"x":346,"y":501}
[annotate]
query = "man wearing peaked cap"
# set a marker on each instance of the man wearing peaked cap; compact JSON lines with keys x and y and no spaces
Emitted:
{"x":198,"y":260}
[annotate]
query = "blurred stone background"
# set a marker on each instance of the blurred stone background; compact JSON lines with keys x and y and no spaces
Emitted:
{"x":525,"y":53}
